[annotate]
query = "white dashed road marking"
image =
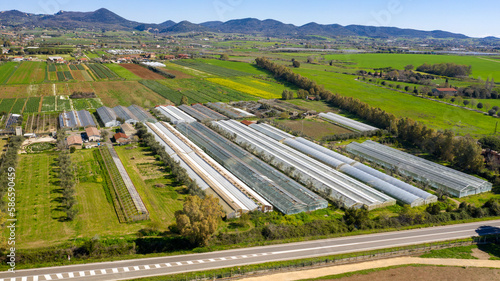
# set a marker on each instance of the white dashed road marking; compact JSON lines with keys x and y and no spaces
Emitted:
{"x":168,"y":265}
{"x":92,"y":272}
{"x":157,"y":266}
{"x":82,"y":273}
{"x":125,"y":269}
{"x":189,"y":262}
{"x":59,"y":275}
{"x":146,"y":267}
{"x":136,"y":268}
{"x":47,"y":277}
{"x":179,"y":263}
{"x":234,"y":258}
{"x":115,"y":270}
{"x":71,"y":275}
{"x":35,"y":278}
{"x":201,"y":261}
{"x":211,"y":259}
{"x":103,"y":271}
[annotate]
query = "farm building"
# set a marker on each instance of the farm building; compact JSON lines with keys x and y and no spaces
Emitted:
{"x":74,"y":140}
{"x":93,"y":134}
{"x":75,"y":119}
{"x":450,"y":181}
{"x":121,"y":138}
{"x":128,"y":129}
{"x":444,"y":91}
{"x":85,"y":118}
{"x":125,"y":114}
{"x":107,"y":116}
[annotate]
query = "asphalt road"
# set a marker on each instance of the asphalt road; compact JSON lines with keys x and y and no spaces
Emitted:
{"x":127,"y":269}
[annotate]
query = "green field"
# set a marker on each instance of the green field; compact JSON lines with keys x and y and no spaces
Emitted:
{"x":237,"y":66}
{"x":202,"y":91}
{"x":437,"y":115}
{"x":482,"y":67}
{"x":32,"y":105}
{"x":122,"y":72}
{"x":41,"y":223}
{"x":6,"y":105}
{"x":63,"y":104}
{"x":49,"y":104}
{"x":208,"y":66}
{"x":18,"y":106}
{"x":6,"y":70}
{"x":29,"y":72}
{"x":80,"y":104}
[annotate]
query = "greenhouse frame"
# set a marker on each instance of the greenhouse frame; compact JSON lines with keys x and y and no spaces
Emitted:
{"x":175,"y":115}
{"x":450,"y":181}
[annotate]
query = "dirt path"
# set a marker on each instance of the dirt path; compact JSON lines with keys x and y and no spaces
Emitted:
{"x":333,"y":270}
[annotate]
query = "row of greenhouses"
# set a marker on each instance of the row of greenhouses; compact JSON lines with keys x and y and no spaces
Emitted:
{"x":202,"y":113}
{"x":175,"y":115}
{"x":391,"y":186}
{"x":285,"y":194}
{"x":234,"y":195}
{"x":453,"y":182}
{"x":314,"y":174}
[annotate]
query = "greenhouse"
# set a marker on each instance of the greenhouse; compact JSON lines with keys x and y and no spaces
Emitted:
{"x":347,"y":122}
{"x":283,"y":193}
{"x":271,"y":131}
{"x":202,"y":113}
{"x":314,"y":174}
{"x":400,"y":190}
{"x":231,"y":112}
{"x":141,"y":114}
{"x":437,"y":176}
{"x":230,"y":190}
{"x":175,"y":115}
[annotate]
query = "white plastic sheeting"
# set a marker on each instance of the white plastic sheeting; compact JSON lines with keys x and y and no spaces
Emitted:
{"x":175,"y":115}
{"x":346,"y":122}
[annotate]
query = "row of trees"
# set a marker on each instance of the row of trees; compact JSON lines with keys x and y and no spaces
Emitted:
{"x":446,"y":69}
{"x":463,"y":152}
{"x":66,"y":177}
{"x":7,"y":160}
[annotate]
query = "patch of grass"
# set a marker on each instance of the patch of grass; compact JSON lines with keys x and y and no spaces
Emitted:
{"x":434,"y":114}
{"x":122,"y":72}
{"x":6,"y":71}
{"x":462,"y":252}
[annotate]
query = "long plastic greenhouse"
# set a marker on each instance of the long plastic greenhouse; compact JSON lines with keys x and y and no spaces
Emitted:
{"x":282,"y":192}
{"x":400,"y":190}
{"x":235,"y":194}
{"x":175,"y":115}
{"x":347,"y":122}
{"x":231,"y":112}
{"x":437,"y":176}
{"x":202,"y":113}
{"x":314,"y":174}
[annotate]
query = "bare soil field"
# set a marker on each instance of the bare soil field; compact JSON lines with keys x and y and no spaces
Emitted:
{"x":14,"y":91}
{"x":141,"y":71}
{"x":425,"y":273}
{"x":314,"y":128}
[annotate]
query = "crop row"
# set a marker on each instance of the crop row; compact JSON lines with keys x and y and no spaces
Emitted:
{"x":73,"y":67}
{"x":162,"y":90}
{"x":18,"y":106}
{"x":68,"y":75}
{"x":63,"y":104}
{"x":212,"y":69}
{"x":52,"y":68}
{"x":32,"y":105}
{"x":6,"y":105}
{"x":101,"y":71}
{"x":80,"y":67}
{"x":60,"y":76}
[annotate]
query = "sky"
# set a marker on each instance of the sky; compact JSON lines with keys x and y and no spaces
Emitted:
{"x":477,"y":19}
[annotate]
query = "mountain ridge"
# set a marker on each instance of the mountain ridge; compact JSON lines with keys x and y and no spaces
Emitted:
{"x":107,"y":20}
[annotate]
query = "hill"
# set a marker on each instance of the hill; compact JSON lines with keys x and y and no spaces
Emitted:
{"x":107,"y":20}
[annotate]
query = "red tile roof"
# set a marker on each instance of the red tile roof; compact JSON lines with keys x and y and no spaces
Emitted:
{"x":247,"y":122}
{"x":446,"y":89}
{"x":118,"y":136}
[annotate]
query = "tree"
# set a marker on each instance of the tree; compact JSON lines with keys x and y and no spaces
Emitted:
{"x":72,"y":149}
{"x":296,"y":64}
{"x":199,"y":218}
{"x":224,"y":57}
{"x":409,"y":67}
{"x":104,"y":134}
{"x":195,"y":190}
{"x":356,"y":218}
{"x":184,"y":100}
{"x":284,"y":115}
{"x":466,"y":102}
{"x":480,"y":105}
